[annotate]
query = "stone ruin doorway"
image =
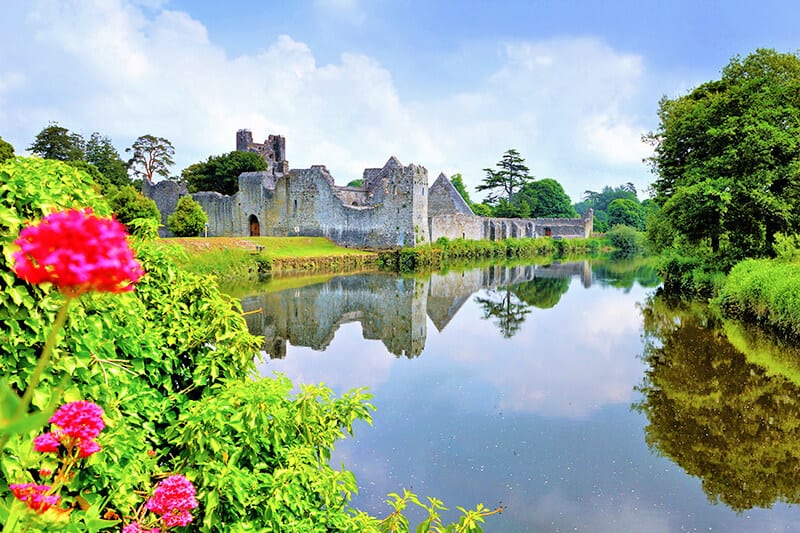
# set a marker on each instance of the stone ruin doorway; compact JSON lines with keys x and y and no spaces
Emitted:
{"x":255,"y":227}
{"x":548,"y":232}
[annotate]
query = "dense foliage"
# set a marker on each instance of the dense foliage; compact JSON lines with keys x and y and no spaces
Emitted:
{"x":97,"y":156}
{"x":128,"y":204}
{"x":630,"y":212}
{"x":6,"y":150}
{"x":56,"y":142}
{"x":626,"y":240}
{"x":221,"y":173}
{"x":727,"y":162}
{"x":188,"y":220}
{"x":171,"y":364}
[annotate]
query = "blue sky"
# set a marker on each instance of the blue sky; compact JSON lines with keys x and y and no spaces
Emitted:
{"x":449,"y":85}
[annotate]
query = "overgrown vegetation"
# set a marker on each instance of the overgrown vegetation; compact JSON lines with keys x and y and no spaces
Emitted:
{"x":727,"y":174}
{"x":444,"y":251}
{"x":172,"y":366}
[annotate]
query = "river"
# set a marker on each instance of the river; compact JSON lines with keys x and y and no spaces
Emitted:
{"x":570,"y":394}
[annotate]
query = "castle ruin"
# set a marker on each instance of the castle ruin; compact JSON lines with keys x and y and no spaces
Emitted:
{"x":393,"y":208}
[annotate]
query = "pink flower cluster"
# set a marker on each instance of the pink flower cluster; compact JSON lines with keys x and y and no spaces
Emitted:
{"x":172,"y":500}
{"x":35,"y":496}
{"x":80,"y":422}
{"x":77,"y":251}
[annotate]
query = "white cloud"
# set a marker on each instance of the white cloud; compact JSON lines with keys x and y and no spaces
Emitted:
{"x":125,"y":70}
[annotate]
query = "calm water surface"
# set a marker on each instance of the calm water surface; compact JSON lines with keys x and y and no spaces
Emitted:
{"x":571,"y":395}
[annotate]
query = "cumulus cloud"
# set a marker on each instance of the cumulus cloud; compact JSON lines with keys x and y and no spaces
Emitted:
{"x":130,"y":68}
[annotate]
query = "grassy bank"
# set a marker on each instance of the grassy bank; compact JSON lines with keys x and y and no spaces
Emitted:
{"x":231,"y":258}
{"x":444,"y":252}
{"x":765,"y":292}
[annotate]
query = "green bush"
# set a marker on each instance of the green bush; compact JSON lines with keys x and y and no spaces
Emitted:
{"x":628,"y":240}
{"x":188,"y":220}
{"x":129,"y":204}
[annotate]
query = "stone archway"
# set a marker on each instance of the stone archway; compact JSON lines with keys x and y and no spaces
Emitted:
{"x":255,"y":227}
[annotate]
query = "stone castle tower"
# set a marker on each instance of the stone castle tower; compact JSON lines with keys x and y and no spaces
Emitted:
{"x":273,"y":150}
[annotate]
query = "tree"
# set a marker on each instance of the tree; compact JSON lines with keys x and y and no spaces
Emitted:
{"x":510,"y":177}
{"x":458,"y":184}
{"x":150,"y":156}
{"x":733,"y":145}
{"x":626,"y":212}
{"x":546,"y":198}
{"x":6,"y":151}
{"x":128,"y":204}
{"x":188,"y":220}
{"x":102,"y":154}
{"x":356,"y":183}
{"x":56,"y":142}
{"x":221,"y":173}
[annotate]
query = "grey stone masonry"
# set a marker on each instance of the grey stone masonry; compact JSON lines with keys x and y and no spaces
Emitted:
{"x":393,"y":208}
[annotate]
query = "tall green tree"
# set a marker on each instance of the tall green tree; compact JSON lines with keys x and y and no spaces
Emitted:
{"x":511,"y":174}
{"x":729,"y":151}
{"x":546,"y":198}
{"x":101,"y":153}
{"x":151,"y":156}
{"x":57,"y":142}
{"x":221,"y":173}
{"x":6,"y":150}
{"x":458,"y":183}
{"x":627,"y":212}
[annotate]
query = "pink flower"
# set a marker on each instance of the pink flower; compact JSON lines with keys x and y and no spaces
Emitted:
{"x":172,"y":500}
{"x":47,"y":442}
{"x":87,"y":447}
{"x":77,"y":251}
{"x":82,"y":419}
{"x":35,"y":496}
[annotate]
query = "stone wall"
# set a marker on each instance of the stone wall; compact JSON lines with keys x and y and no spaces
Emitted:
{"x":394,"y":208}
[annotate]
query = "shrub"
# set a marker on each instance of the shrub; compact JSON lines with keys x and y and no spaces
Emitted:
{"x":129,"y":204}
{"x":626,"y":239}
{"x":188,"y":220}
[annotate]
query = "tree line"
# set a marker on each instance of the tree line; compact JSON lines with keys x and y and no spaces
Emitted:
{"x":514,"y":193}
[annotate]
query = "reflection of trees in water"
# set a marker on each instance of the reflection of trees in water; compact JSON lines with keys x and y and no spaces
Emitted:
{"x":510,"y":305}
{"x":719,"y":417}
{"x":507,"y":310}
{"x":622,"y":274}
{"x":543,"y":293}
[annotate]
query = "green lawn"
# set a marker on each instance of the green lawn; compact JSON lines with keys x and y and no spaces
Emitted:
{"x":275,"y":247}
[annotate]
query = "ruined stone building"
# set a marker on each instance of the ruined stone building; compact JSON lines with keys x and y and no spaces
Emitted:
{"x":394,"y":207}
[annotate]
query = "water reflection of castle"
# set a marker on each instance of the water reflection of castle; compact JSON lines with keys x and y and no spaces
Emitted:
{"x":391,"y":309}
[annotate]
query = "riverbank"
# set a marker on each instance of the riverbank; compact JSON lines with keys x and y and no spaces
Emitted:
{"x":232,"y":258}
{"x":237,"y":258}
